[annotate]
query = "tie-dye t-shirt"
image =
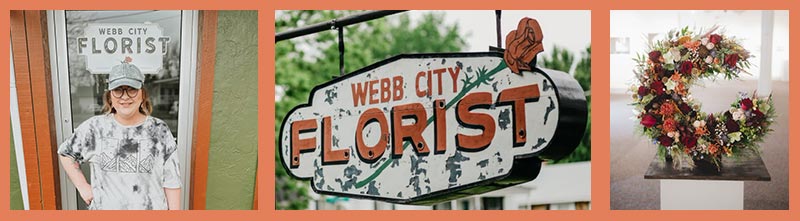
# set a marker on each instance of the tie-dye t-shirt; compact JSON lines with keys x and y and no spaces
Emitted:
{"x":131,"y":165}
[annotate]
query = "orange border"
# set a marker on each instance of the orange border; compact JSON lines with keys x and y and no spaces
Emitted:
{"x":600,"y":126}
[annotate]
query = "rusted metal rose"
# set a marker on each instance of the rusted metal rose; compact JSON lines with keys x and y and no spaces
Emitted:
{"x":522,"y":45}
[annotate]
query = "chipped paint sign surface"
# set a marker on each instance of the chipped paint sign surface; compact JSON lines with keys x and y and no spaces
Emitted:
{"x":424,"y":128}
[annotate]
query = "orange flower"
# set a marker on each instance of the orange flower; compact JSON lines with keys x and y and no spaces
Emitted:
{"x":670,"y":125}
{"x":522,"y":45}
{"x":676,"y":77}
{"x":700,"y":131}
{"x":680,"y":89}
{"x":713,"y":148}
{"x":667,"y":109}
{"x":684,"y":39}
{"x":692,"y":45}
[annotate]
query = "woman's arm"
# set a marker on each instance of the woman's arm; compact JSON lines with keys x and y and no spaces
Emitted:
{"x":173,"y":198}
{"x":73,"y":170}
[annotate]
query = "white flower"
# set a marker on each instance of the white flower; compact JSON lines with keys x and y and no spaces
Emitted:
{"x":671,"y":85}
{"x":699,"y":123}
{"x":710,"y":46}
{"x":709,"y":59}
{"x":765,"y":107}
{"x":668,"y":58}
{"x":674,"y":134}
{"x":688,"y":98}
{"x":738,"y":115}
{"x":676,"y":54}
{"x":704,"y":41}
{"x":735,"y":136}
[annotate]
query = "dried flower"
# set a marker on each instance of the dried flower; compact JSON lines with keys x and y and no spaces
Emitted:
{"x":655,"y":56}
{"x":731,"y":60}
{"x":715,"y":38}
{"x":670,"y":125}
{"x":665,"y":140}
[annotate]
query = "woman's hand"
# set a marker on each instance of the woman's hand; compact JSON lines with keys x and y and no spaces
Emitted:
{"x":86,"y":193}
{"x":73,"y":170}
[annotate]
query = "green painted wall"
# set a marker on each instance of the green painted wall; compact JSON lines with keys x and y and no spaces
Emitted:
{"x":16,"y":191}
{"x":234,"y":121}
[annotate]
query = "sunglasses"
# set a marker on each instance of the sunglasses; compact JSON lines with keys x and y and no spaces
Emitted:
{"x":119,"y":91}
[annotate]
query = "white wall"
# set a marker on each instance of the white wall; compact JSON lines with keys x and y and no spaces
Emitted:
{"x":745,"y":25}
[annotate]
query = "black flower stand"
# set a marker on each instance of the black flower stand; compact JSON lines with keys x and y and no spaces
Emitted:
{"x":695,"y":189}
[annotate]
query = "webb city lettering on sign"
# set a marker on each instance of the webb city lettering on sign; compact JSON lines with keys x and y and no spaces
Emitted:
{"x":104,"y":45}
{"x":425,"y":128}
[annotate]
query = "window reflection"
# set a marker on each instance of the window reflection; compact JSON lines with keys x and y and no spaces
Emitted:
{"x":86,"y":89}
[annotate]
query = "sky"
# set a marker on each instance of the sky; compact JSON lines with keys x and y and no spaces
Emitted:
{"x":479,"y":29}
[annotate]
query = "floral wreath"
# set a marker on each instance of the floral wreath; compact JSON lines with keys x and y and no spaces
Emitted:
{"x":669,"y":116}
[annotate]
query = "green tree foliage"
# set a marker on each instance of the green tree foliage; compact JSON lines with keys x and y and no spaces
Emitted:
{"x":562,"y":60}
{"x":302,"y":63}
{"x":559,"y":59}
{"x":583,"y":70}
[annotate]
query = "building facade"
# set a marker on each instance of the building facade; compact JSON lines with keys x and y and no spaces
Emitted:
{"x":203,"y":84}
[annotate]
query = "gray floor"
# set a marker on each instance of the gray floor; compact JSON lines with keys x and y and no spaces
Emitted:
{"x":631,"y":153}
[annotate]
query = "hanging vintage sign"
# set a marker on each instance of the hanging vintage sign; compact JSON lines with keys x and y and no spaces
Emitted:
{"x":105,"y":44}
{"x":424,"y":128}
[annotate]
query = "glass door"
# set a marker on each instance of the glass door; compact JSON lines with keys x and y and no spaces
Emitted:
{"x":84,"y":44}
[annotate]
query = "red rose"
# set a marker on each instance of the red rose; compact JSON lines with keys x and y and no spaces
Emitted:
{"x":715,"y":38}
{"x":642,"y":91}
{"x":522,"y":45}
{"x":731,"y":60}
{"x":731,"y":125}
{"x":648,"y":120}
{"x":689,"y":141}
{"x":746,"y":104}
{"x":665,"y":140}
{"x":658,"y":86}
{"x":686,"y":67}
{"x":654,"y":56}
{"x":685,"y":109}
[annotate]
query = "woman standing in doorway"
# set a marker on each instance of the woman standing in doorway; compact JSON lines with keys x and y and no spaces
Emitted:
{"x":133,"y":156}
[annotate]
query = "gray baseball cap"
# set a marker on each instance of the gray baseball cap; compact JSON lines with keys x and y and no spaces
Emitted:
{"x":125,"y":74}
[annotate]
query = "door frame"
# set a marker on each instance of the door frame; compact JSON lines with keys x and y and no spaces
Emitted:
{"x":56,"y":22}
